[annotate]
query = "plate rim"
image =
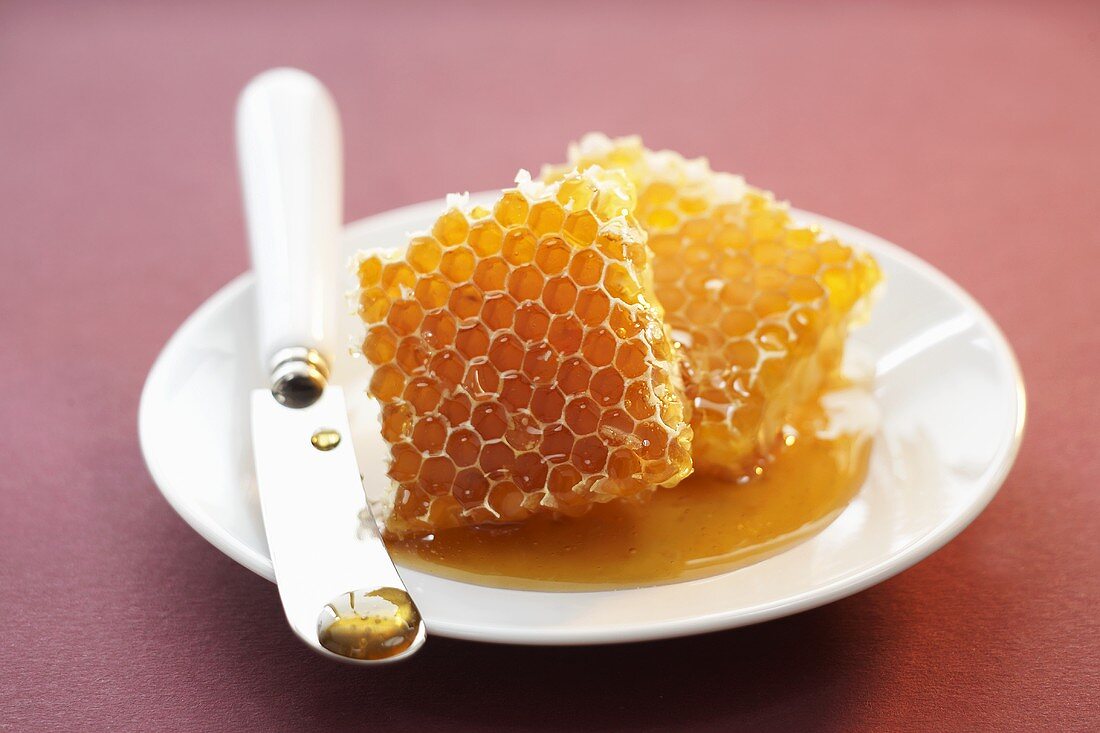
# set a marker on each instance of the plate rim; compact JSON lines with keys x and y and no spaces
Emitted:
{"x":226,"y":542}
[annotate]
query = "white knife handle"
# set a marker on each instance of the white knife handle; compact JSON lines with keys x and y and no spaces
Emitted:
{"x":289,"y":150}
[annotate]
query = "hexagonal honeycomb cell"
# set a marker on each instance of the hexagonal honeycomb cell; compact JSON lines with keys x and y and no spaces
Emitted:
{"x":521,"y":360}
{"x":759,"y":305}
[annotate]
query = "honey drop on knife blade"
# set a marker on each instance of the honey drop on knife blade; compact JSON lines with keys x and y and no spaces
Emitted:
{"x":325,"y":439}
{"x":375,"y":625}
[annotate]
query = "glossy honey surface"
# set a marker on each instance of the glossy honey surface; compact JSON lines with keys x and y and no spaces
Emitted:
{"x":702,"y":527}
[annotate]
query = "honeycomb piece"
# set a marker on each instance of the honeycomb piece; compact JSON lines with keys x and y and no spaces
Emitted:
{"x":520,"y":360}
{"x":759,"y":306}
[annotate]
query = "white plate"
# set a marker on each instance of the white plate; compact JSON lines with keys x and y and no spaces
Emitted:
{"x":953,"y":413}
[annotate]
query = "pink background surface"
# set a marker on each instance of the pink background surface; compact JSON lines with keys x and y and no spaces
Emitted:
{"x":967,"y":133}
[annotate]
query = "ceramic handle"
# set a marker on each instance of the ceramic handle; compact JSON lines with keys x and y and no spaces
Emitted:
{"x":289,"y":151}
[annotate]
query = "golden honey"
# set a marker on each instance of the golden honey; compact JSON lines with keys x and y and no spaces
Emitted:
{"x":544,"y":364}
{"x":521,"y":361}
{"x":703,"y":526}
{"x":377,"y":624}
{"x":758,"y":305}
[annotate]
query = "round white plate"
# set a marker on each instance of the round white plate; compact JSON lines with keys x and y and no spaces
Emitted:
{"x":947,"y":383}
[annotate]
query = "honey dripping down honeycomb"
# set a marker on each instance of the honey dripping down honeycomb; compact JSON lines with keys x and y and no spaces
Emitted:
{"x":520,"y":359}
{"x":759,"y":306}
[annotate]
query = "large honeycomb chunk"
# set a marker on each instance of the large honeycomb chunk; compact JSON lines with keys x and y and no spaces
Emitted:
{"x":759,"y":305}
{"x":520,"y":359}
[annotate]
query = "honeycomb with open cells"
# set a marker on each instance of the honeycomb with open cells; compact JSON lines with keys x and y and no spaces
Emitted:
{"x":520,"y":358}
{"x":759,"y":304}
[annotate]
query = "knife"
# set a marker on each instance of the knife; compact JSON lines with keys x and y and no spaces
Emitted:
{"x":339,"y":588}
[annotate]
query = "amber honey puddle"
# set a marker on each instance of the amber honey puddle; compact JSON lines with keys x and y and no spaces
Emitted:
{"x":701,"y":527}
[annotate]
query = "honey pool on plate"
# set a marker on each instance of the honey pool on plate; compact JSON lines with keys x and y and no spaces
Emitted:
{"x":702,"y":527}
